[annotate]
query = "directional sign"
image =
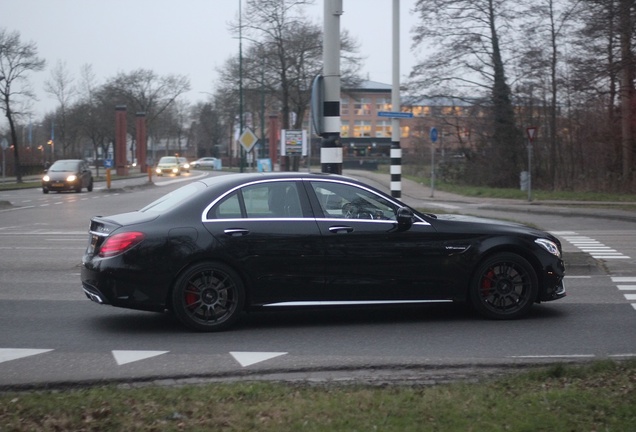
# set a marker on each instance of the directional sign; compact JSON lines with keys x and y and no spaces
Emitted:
{"x":433,"y":134}
{"x":395,"y":114}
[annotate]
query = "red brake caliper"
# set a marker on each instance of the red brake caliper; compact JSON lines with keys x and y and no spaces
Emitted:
{"x":486,"y":283}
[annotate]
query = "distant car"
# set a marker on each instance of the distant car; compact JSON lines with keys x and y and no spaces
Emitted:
{"x":184,"y":165}
{"x":168,"y":165}
{"x":224,"y":244}
{"x":68,"y":175}
{"x":206,"y":162}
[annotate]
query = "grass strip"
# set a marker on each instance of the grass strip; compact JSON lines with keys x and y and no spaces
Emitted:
{"x":593,"y":397}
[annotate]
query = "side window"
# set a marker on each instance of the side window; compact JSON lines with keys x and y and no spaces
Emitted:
{"x":280,"y":199}
{"x":339,"y":200}
{"x":263,"y":200}
{"x":229,"y":208}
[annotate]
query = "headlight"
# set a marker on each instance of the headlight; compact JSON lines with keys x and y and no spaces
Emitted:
{"x":158,"y":170}
{"x":46,"y":178}
{"x":175,"y":170}
{"x":71,"y":178}
{"x":549,"y":245}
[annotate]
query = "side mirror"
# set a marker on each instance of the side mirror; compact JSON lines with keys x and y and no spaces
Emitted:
{"x":404,"y":218}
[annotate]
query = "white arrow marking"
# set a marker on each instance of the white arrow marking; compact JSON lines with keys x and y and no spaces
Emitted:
{"x":249,"y":358}
{"x":123,"y":357}
{"x":8,"y":354}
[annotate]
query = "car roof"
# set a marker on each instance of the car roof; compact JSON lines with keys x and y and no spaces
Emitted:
{"x":231,"y":180}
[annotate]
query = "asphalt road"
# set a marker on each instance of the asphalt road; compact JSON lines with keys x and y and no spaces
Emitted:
{"x":51,"y":335}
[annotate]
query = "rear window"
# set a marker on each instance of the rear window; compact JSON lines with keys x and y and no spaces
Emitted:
{"x":174,"y":198}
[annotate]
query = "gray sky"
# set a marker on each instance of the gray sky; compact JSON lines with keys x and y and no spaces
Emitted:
{"x":186,"y":37}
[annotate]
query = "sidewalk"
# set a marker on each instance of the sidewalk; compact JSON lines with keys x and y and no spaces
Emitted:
{"x":419,"y":195}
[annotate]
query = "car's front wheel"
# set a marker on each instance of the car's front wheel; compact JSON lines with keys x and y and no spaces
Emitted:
{"x":504,"y":287}
{"x":208,"y":297}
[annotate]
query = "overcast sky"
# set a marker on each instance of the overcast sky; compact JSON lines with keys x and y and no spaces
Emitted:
{"x":185,"y":37}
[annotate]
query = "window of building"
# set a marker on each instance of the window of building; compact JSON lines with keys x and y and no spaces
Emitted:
{"x":344,"y":106}
{"x":452,"y":111}
{"x":383,"y":129}
{"x":383,"y":104}
{"x":344,"y":128}
{"x":362,"y":128}
{"x":421,"y":111}
{"x":362,"y":107}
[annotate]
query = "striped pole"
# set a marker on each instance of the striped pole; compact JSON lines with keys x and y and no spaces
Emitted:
{"x":330,"y":146}
{"x":396,"y":151}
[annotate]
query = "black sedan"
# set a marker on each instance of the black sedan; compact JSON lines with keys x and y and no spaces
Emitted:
{"x":218,"y":246}
{"x":68,"y":175}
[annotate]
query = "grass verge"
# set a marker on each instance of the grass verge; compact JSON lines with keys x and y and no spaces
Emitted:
{"x":593,"y":397}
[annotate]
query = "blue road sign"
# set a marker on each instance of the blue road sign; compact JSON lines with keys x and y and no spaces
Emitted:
{"x":108,"y":163}
{"x":433,"y":134}
{"x":395,"y":114}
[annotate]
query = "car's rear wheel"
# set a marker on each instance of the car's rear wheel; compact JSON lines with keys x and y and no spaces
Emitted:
{"x":90,"y":186}
{"x":504,"y":287}
{"x":208,"y":297}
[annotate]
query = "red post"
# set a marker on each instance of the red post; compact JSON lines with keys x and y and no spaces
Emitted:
{"x":141,"y":141}
{"x":120,"y":140}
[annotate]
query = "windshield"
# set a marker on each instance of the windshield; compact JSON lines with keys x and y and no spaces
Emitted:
{"x":168,"y":160}
{"x":64,"y":166}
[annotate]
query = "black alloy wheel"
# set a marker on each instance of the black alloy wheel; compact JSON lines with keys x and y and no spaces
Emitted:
{"x":504,"y":287}
{"x":208,"y":297}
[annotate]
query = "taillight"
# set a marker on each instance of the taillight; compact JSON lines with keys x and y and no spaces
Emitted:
{"x":120,"y":243}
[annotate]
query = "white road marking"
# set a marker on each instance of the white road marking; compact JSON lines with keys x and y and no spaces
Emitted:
{"x":123,"y":357}
{"x":8,"y":354}
{"x":249,"y":358}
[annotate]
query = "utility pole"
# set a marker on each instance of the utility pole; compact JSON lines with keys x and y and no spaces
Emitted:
{"x":331,"y":146}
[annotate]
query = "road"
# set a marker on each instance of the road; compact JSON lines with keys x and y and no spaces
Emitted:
{"x":52,"y":335}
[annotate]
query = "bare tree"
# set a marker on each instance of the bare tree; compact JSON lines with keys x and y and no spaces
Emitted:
{"x":470,"y":39}
{"x":17,"y":59}
{"x":61,"y":86}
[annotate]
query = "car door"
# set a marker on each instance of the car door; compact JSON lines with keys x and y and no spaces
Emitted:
{"x":367,"y":256}
{"x":266,"y":229}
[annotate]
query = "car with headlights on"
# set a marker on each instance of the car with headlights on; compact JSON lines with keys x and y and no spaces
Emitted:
{"x":184,"y":165}
{"x":68,"y":175}
{"x":168,"y":165}
{"x":223,"y":245}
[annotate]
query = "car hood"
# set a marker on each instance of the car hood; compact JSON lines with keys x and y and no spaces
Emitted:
{"x":478,"y":224}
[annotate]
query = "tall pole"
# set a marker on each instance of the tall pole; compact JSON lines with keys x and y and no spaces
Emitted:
{"x":396,"y":150}
{"x":331,"y":146}
{"x":241,"y":81}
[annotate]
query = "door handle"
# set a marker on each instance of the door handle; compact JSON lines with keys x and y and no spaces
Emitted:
{"x":340,"y":229}
{"x":236,"y":232}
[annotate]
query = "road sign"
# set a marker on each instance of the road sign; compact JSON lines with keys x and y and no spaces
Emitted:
{"x":4,"y":144}
{"x":531,"y":131}
{"x":248,"y":139}
{"x":433,"y":134}
{"x":395,"y":114}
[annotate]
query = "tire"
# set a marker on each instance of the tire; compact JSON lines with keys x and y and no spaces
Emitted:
{"x":90,"y":186}
{"x":208,"y":297}
{"x":505,"y":286}
{"x":78,"y":189}
{"x":45,"y":190}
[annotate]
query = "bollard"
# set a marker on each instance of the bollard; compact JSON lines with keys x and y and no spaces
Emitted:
{"x":108,"y":178}
{"x":149,"y":174}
